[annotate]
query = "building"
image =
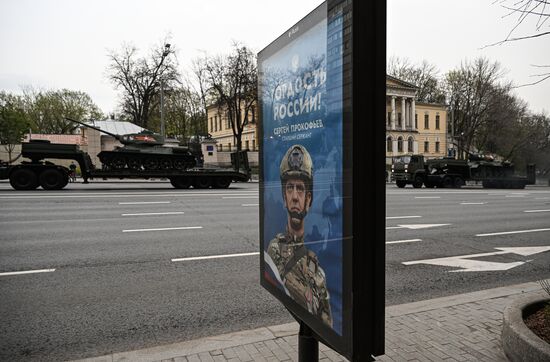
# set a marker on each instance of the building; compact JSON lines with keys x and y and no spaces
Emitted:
{"x":413,"y":127}
{"x":220,"y":129}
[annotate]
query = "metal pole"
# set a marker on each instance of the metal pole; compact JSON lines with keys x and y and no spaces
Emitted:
{"x":162,"y":107}
{"x":308,"y":347}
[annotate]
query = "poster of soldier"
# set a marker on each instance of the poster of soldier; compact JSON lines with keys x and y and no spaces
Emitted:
{"x":301,"y":198}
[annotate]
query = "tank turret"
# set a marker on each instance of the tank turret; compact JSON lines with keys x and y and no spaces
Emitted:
{"x":143,"y":151}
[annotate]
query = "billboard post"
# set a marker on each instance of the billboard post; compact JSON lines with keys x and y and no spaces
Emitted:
{"x":322,"y":236}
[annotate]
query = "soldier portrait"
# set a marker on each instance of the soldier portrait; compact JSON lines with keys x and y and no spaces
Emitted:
{"x":294,"y":266}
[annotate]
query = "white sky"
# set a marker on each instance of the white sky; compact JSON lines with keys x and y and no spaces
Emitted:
{"x":53,"y":44}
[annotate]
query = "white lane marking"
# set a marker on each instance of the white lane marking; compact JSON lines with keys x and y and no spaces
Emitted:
{"x":401,"y":217}
{"x":155,"y":213}
{"x":415,"y":227}
{"x":27,"y":272}
{"x":250,"y":205}
{"x":516,"y":195}
{"x":542,"y":198}
{"x":163,"y":229}
{"x":240,"y":197}
{"x":403,"y":241}
{"x":473,"y":203}
{"x":107,"y":195}
{"x":466,"y":265}
{"x":427,"y":197}
{"x":537,"y":211}
{"x":514,"y":232}
{"x":143,"y":202}
{"x":216,"y":256}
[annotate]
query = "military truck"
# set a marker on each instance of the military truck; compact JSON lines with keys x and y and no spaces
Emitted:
{"x":450,"y":172}
{"x":39,"y":171}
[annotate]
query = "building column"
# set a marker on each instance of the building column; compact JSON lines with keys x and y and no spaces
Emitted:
{"x":415,"y":147}
{"x":403,"y":113}
{"x":394,"y":147}
{"x":413,"y":112}
{"x":393,"y":112}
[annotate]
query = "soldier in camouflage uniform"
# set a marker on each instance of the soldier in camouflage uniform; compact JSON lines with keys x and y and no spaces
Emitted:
{"x":299,"y":271}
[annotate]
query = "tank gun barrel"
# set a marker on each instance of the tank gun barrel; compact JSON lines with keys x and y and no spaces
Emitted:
{"x":118,"y":137}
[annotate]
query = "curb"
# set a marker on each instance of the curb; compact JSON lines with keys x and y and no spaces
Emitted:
{"x":518,"y":341}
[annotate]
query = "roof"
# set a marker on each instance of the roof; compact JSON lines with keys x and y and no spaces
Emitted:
{"x":399,"y":82}
{"x":69,"y":139}
{"x":117,"y":127}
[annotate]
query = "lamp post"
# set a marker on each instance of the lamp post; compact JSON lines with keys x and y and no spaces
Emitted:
{"x":164,"y":55}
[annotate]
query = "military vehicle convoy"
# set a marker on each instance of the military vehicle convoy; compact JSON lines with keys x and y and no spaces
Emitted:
{"x":120,"y":164}
{"x":449,"y":172}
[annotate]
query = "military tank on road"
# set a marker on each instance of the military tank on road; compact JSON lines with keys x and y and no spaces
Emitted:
{"x":143,"y":151}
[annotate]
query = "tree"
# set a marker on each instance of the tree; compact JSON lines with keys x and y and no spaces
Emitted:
{"x":13,"y":122}
{"x":233,"y":83}
{"x":474,"y":91}
{"x":140,"y":79}
{"x":46,"y":110}
{"x":424,"y":76}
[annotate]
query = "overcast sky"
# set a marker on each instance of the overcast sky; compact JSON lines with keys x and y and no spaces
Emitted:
{"x":53,"y":44}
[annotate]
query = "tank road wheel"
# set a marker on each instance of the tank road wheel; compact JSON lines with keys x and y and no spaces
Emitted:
{"x":222,"y":182}
{"x":179,"y":164}
{"x":429,"y":184}
{"x":23,"y":179}
{"x":52,"y":179}
{"x":165,"y":164}
{"x":418,"y":181}
{"x":150,"y":163}
{"x":202,"y":182}
{"x":401,"y":183}
{"x":458,"y":182}
{"x":447,"y":182}
{"x":134,"y":163}
{"x":181,"y":182}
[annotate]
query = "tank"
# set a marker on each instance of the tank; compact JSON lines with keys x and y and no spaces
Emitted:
{"x":143,"y":151}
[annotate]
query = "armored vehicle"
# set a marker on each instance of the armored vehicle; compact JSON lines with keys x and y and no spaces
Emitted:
{"x":143,"y":151}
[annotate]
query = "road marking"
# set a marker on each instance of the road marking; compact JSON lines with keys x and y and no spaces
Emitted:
{"x":155,"y":213}
{"x":537,"y":211}
{"x":163,"y":229}
{"x":514,"y":232}
{"x":515,"y":195}
{"x":240,"y":197}
{"x":542,"y":198}
{"x":415,"y":227}
{"x":403,"y":241}
{"x":27,"y":272}
{"x":473,"y":203}
{"x":466,"y":265}
{"x":427,"y":197}
{"x":215,"y":256}
{"x":250,"y":204}
{"x":401,"y":217}
{"x":144,"y":202}
{"x":119,"y":195}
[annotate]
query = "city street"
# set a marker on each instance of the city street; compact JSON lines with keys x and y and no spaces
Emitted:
{"x":113,"y":266}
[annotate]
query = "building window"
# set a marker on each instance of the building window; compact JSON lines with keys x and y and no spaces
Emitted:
{"x":220,"y":147}
{"x":211,"y":125}
{"x":399,"y":119}
{"x":253,"y":145}
{"x":389,"y":144}
{"x":437,"y":121}
{"x":400,"y":144}
{"x":416,"y":121}
{"x":426,"y":121}
{"x":389,"y":119}
{"x":426,"y":146}
{"x":410,"y":145}
{"x":215,"y":123}
{"x":247,"y":145}
{"x":229,"y":147}
{"x":437,"y":147}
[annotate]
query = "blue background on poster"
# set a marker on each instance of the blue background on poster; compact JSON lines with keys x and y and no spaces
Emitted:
{"x":306,"y":79}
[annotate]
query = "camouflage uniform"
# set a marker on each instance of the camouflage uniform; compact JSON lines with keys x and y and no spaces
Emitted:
{"x":298,"y":267}
{"x":303,"y":277}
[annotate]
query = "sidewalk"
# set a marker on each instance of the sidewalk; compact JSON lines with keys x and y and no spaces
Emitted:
{"x":464,"y":327}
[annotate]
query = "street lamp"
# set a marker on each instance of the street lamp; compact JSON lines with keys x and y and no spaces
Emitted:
{"x":164,"y":55}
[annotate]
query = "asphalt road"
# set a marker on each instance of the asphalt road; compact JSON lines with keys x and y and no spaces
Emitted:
{"x":116,"y":288}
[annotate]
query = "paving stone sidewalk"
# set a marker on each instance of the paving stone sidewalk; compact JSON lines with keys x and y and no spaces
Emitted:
{"x":463,"y":327}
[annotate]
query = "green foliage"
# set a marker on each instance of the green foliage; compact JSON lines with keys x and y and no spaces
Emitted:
{"x":13,"y":122}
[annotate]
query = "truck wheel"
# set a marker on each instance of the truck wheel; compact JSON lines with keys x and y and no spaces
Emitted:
{"x":222,"y":182}
{"x":447,"y":182}
{"x":181,"y":182}
{"x":52,"y":179}
{"x":202,"y":182}
{"x":459,"y":182}
{"x":418,"y":181}
{"x":23,"y":179}
{"x":401,"y":183}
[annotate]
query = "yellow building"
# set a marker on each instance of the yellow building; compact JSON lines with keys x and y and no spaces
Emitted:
{"x":413,"y":127}
{"x":220,"y":129}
